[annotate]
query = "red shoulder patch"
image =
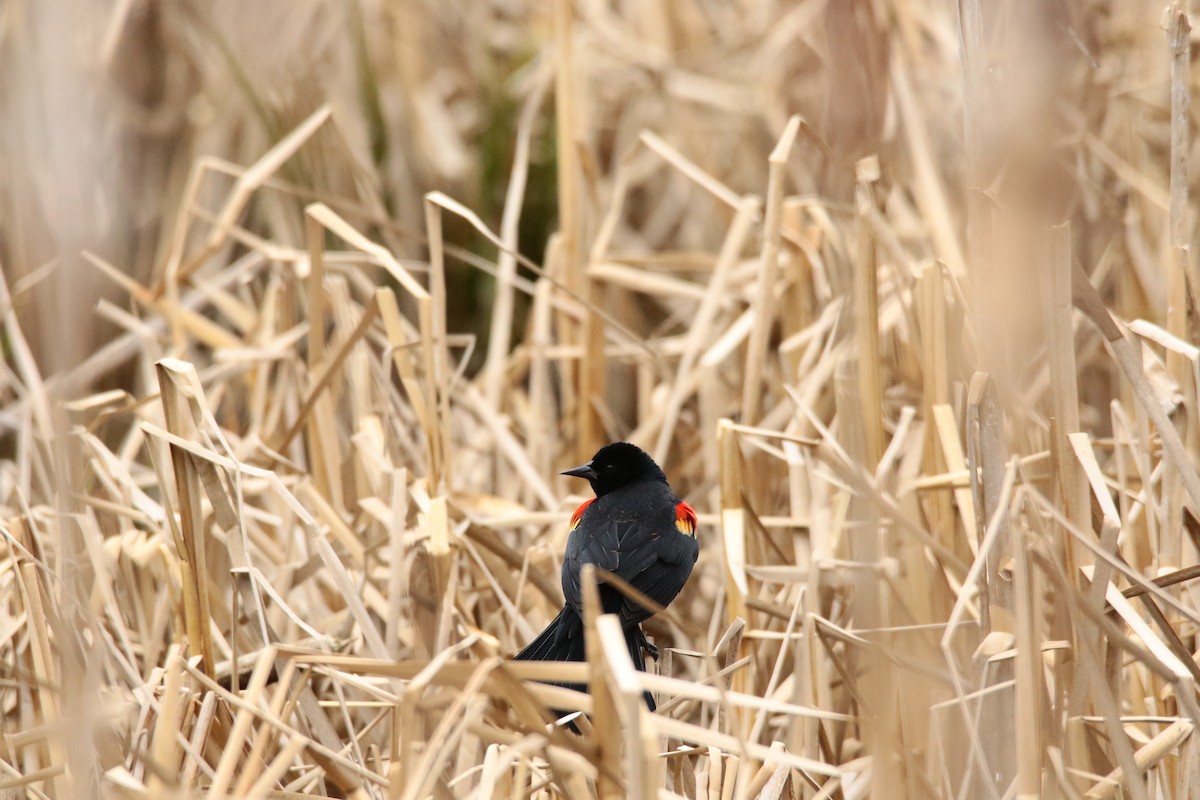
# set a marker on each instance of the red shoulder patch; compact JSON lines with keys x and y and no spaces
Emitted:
{"x":685,"y":518}
{"x":578,"y":515}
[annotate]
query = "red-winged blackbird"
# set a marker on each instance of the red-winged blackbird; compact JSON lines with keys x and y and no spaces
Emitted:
{"x":637,"y":529}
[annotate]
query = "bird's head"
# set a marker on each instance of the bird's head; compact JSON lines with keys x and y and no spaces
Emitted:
{"x":616,"y":465}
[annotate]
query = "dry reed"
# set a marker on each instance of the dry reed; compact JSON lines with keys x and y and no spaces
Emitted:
{"x":900,"y":295}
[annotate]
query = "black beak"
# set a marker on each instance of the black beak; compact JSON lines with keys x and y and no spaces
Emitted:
{"x":584,"y":471}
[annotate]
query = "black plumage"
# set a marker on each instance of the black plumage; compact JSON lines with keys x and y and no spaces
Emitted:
{"x":637,"y":529}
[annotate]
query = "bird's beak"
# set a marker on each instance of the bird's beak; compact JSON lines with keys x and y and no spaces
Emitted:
{"x":584,"y":471}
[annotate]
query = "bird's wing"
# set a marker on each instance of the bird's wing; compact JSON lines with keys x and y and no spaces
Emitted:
{"x":590,"y":543}
{"x":658,"y":570}
{"x":653,"y":556}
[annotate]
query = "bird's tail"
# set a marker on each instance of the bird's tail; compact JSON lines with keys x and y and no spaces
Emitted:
{"x":562,"y":640}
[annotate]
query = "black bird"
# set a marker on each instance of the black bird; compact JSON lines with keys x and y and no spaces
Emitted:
{"x":635,"y":528}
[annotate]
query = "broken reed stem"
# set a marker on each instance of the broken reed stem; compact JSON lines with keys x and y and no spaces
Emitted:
{"x":1064,"y":387}
{"x":764,"y":303}
{"x":163,"y":747}
{"x":176,"y":381}
{"x":935,"y":393}
{"x":1179,"y":271}
{"x":1184,"y":274}
{"x":606,"y":717}
{"x":1029,"y":692}
{"x":733,"y":522}
{"x":499,"y":332}
{"x":437,"y":364}
{"x":1110,"y":526}
{"x":640,"y":761}
{"x":322,"y":449}
{"x":45,"y":672}
{"x":314,"y":284}
{"x":866,"y":317}
{"x":986,"y":456}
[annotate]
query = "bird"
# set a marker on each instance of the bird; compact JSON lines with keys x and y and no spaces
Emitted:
{"x":637,"y":529}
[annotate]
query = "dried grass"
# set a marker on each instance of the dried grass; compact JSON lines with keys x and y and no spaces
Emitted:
{"x":901,"y":298}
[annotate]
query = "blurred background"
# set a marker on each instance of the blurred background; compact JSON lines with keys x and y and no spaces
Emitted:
{"x":107,"y":108}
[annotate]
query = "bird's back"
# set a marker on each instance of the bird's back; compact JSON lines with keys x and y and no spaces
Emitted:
{"x":633,"y":533}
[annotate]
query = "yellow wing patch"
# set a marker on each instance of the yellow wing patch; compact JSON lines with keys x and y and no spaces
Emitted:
{"x":578,"y":515}
{"x":685,"y":518}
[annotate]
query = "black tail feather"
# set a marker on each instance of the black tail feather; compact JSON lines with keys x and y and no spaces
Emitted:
{"x":562,"y":640}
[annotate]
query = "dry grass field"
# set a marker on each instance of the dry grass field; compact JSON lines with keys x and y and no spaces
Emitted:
{"x":305,"y":304}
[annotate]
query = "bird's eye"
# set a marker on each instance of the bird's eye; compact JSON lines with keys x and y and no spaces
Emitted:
{"x":609,"y":467}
